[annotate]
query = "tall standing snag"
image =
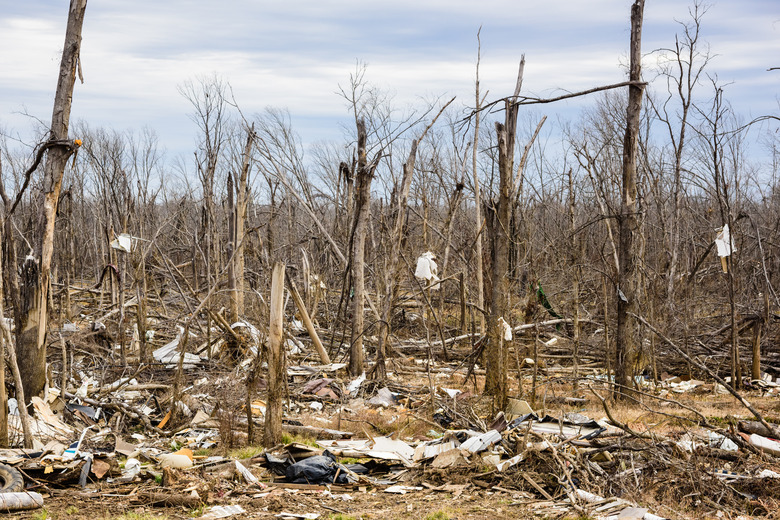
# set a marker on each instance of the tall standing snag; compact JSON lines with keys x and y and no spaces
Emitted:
{"x":497,"y":217}
{"x":31,"y":315}
{"x":625,"y":336}
{"x":363,"y":177}
{"x":237,"y":224}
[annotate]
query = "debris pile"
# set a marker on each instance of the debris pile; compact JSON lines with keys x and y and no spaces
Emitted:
{"x":126,"y":438}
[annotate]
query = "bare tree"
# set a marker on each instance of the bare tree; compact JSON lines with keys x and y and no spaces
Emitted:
{"x":498,"y":215}
{"x":31,"y":309}
{"x":364,"y":174}
{"x":625,"y":339}
{"x":237,"y":224}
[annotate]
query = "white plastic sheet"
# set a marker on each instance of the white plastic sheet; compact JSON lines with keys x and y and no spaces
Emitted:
{"x":506,"y":330}
{"x":724,"y":243}
{"x":427,"y":269}
{"x":125,"y":243}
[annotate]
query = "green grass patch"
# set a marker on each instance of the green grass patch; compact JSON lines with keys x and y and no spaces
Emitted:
{"x":246,"y":452}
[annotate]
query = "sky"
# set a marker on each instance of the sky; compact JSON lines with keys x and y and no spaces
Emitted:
{"x":295,"y":54}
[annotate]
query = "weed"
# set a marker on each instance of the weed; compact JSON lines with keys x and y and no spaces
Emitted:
{"x":43,"y":514}
{"x":130,"y":515}
{"x":351,"y":460}
{"x":300,"y":439}
{"x":339,"y":516}
{"x":197,"y":511}
{"x":71,"y":510}
{"x":246,"y":452}
{"x":438,"y":515}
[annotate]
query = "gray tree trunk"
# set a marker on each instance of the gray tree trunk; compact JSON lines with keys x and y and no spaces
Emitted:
{"x":31,"y":318}
{"x":626,"y":334}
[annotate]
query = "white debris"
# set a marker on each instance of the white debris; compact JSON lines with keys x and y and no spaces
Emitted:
{"x":506,"y":330}
{"x":724,"y":243}
{"x":427,"y":269}
{"x":125,"y":243}
{"x":353,"y":386}
{"x":481,"y":442}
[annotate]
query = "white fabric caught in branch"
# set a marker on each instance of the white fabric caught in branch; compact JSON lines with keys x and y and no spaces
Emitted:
{"x":723,"y":242}
{"x":427,"y":269}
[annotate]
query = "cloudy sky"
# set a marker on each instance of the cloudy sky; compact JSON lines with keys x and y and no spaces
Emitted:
{"x":295,"y":54}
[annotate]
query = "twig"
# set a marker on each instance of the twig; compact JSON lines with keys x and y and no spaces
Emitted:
{"x":617,"y":423}
{"x":703,"y":367}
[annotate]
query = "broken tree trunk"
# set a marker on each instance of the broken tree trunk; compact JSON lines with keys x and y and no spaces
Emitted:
{"x":626,"y":333}
{"x":272,"y":434}
{"x":498,"y":214}
{"x":237,"y":225}
{"x":31,"y":319}
{"x":315,"y":338}
{"x":363,"y":177}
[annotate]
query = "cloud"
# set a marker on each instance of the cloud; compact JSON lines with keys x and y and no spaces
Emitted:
{"x":295,"y":55}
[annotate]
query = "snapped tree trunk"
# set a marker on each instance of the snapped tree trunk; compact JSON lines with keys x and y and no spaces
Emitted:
{"x":363,"y":178}
{"x":626,"y":334}
{"x":237,"y":225}
{"x":31,"y":318}
{"x":498,"y":214}
{"x":272,"y":433}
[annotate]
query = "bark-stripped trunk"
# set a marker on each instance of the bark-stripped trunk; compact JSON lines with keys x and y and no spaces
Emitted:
{"x":626,"y":334}
{"x":237,"y":225}
{"x":31,"y":318}
{"x":272,"y":433}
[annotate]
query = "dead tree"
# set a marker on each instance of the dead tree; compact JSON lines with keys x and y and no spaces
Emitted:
{"x":401,"y":196}
{"x":498,"y":215}
{"x":364,"y":174}
{"x":236,"y":230}
{"x":625,"y":338}
{"x":272,"y":434}
{"x":32,"y":312}
{"x":477,"y":196}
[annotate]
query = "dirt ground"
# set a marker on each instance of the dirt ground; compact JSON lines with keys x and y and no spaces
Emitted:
{"x":463,"y":493}
{"x":476,"y":504}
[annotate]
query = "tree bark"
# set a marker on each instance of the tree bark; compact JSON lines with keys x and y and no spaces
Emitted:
{"x":238,"y":221}
{"x":755,"y":367}
{"x":625,"y":335}
{"x":31,"y":321}
{"x":498,"y":219}
{"x":306,"y":319}
{"x":478,"y":197}
{"x":272,"y":433}
{"x":363,"y":177}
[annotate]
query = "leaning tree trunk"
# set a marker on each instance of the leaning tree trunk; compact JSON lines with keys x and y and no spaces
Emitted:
{"x":626,"y":334}
{"x":363,"y":178}
{"x":31,"y":319}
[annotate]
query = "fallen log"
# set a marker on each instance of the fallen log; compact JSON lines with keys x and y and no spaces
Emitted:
{"x":759,"y":429}
{"x":168,"y":500}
